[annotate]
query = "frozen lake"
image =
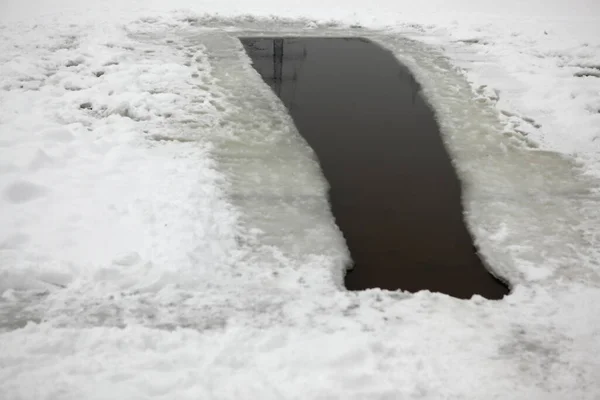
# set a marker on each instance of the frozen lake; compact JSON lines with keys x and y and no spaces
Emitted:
{"x":166,"y":230}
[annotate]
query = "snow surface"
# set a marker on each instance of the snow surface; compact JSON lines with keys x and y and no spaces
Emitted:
{"x":164,"y":229}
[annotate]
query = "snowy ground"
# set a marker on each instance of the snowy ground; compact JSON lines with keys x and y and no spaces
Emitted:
{"x":164,"y":230}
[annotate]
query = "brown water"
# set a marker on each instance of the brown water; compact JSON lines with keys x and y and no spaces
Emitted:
{"x":394,"y":192}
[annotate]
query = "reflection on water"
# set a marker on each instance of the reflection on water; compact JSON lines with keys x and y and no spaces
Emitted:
{"x":394,"y":192}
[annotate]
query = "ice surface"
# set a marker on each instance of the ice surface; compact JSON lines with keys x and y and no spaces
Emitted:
{"x":274,"y":175}
{"x":170,"y":236}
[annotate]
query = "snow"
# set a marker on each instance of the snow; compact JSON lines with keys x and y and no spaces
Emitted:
{"x":165,"y":233}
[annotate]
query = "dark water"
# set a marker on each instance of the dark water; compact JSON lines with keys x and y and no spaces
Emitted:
{"x":394,"y":192}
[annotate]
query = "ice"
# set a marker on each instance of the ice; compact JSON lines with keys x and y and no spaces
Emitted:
{"x":275,"y":177}
{"x":508,"y":184}
{"x":182,"y":246}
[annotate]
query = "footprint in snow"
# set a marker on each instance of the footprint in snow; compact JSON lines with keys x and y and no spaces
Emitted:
{"x":40,"y":160}
{"x":58,"y":135}
{"x":23,"y":191}
{"x":127,"y":259}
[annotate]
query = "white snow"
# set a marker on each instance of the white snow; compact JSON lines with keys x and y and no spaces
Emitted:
{"x":165,"y":233}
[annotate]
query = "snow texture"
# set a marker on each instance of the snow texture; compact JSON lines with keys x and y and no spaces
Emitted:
{"x":165,"y":232}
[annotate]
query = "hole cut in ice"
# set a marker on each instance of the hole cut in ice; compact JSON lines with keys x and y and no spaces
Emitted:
{"x":394,"y":192}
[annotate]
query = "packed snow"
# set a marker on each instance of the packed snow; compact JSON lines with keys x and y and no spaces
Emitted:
{"x":165,"y":231}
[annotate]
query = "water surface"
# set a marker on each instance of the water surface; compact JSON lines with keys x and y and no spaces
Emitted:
{"x":394,"y":192}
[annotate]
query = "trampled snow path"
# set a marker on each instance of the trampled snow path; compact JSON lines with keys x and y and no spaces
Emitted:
{"x":165,"y":222}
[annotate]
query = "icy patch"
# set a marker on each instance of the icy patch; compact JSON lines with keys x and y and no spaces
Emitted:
{"x":540,"y":73}
{"x":533,"y":194}
{"x":275,"y":176}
